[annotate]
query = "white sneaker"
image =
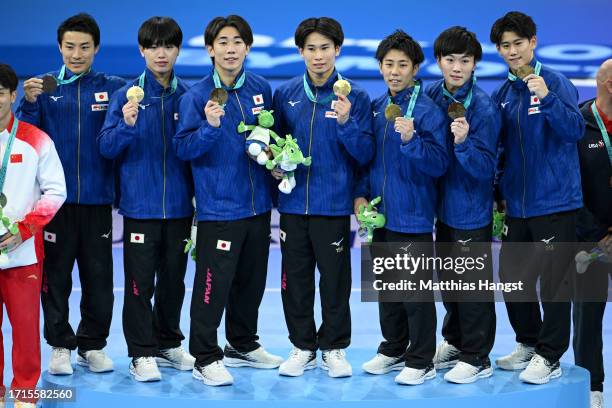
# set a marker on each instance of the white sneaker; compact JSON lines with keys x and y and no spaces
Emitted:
{"x":214,"y":374}
{"x":96,"y":360}
{"x":144,"y":369}
{"x":464,"y":373}
{"x":176,"y":358}
{"x":518,"y":359}
{"x":446,"y":356}
{"x":258,"y":358}
{"x":414,"y":376}
{"x":297,"y":362}
{"x":597,"y":399}
{"x":60,"y":362}
{"x":382,"y":364}
{"x":336,"y":364}
{"x":540,"y":371}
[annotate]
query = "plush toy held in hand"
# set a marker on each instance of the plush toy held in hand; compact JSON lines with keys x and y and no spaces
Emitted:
{"x":6,"y":227}
{"x":259,"y":139}
{"x":370,"y":219}
{"x":287,"y":155}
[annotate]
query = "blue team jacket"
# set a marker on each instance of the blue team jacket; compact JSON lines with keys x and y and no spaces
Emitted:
{"x":228,"y":184}
{"x":155,"y":183}
{"x":337,"y":151}
{"x":73,"y":116}
{"x":405,"y":174}
{"x":541,"y":174}
{"x":466,"y":189}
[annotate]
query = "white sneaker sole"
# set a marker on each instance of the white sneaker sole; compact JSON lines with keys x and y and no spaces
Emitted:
{"x":60,"y":372}
{"x":387,"y":369}
{"x":542,"y":380}
{"x":512,"y":367}
{"x":428,"y":376}
{"x":333,"y":374}
{"x":162,"y":362}
{"x":468,"y":380}
{"x":84,"y":363}
{"x":238,"y":362}
{"x":144,"y":379}
{"x":309,"y":366}
{"x":198,"y":376}
{"x":446,"y":365}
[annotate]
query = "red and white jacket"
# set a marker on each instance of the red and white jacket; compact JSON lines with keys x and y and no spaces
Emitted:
{"x":34,"y":186}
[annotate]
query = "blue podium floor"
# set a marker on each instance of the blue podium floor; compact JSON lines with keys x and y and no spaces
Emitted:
{"x":256,"y":387}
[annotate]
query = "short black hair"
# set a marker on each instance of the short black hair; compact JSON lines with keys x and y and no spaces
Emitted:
{"x":399,"y":40}
{"x":160,"y":31}
{"x":83,"y":23}
{"x":325,"y":26}
{"x":219,"y":23}
{"x":8,"y":77}
{"x":457,"y":40}
{"x":514,"y":21}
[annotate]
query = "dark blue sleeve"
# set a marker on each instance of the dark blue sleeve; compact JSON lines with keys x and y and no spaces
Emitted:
{"x":280,"y":126}
{"x":115,"y":135}
{"x":478,"y":153}
{"x":30,"y":112}
{"x":194,"y":136}
{"x":560,"y":108}
{"x":356,"y":133}
{"x":427,"y":150}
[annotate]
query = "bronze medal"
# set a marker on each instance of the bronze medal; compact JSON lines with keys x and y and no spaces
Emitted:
{"x":49,"y":84}
{"x":523,"y":71}
{"x":456,"y":110}
{"x":135,"y":94}
{"x":219,"y":95}
{"x":342,"y":87}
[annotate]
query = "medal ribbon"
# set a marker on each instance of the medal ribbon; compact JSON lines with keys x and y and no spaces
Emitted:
{"x":311,"y":96}
{"x":7,"y":153}
{"x":413,"y":99}
{"x":60,"y":78}
{"x":604,"y":132}
{"x":237,"y":85}
{"x":467,"y":101}
{"x":173,"y":83}
{"x":536,"y":70}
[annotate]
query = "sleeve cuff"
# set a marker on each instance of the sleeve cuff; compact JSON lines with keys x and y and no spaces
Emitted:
{"x":24,"y":231}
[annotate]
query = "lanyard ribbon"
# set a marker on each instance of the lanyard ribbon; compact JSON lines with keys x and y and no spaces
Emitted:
{"x":468,"y":100}
{"x":312,"y":97}
{"x":60,"y":78}
{"x":173,"y":83}
{"x":236,"y":86}
{"x":413,"y":99}
{"x":602,"y":129}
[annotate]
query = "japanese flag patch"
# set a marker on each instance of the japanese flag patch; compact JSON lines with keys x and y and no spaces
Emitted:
{"x":136,"y":238}
{"x":258,"y":99}
{"x":101,"y":96}
{"x":224,"y":245}
{"x":50,"y":237}
{"x":535,"y":100}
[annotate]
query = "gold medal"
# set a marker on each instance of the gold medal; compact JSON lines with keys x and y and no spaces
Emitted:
{"x":49,"y":84}
{"x":392,"y":112}
{"x":342,"y":87}
{"x":456,"y":110}
{"x":219,"y":95}
{"x":135,"y":94}
{"x":523,"y":71}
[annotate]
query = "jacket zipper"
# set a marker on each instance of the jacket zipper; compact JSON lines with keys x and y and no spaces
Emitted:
{"x":518,"y":121}
{"x":164,"y":160}
{"x":79,"y":143}
{"x":314,"y":109}
{"x":384,"y":168}
{"x":247,"y":158}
